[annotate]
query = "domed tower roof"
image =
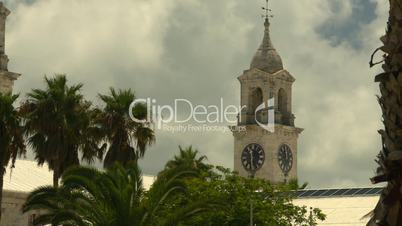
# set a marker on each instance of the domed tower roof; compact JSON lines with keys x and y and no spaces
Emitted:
{"x":266,"y":58}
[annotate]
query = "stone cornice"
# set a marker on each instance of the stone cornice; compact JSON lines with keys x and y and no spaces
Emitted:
{"x":256,"y":74}
{"x":279,"y":129}
{"x":3,"y":10}
{"x":11,"y":75}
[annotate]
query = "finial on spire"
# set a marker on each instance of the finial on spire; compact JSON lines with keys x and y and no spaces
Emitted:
{"x":267,"y":12}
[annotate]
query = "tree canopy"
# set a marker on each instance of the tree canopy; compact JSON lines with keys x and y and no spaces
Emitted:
{"x":272,"y":204}
{"x":12,"y":142}
{"x":115,"y":197}
{"x":127,"y":139}
{"x":58,"y":125}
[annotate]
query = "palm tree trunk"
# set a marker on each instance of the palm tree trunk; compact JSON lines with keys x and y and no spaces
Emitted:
{"x":56,"y":176}
{"x":1,"y":191}
{"x":388,"y":210}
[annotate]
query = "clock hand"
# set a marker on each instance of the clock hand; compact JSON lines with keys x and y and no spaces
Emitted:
{"x":252,"y":159}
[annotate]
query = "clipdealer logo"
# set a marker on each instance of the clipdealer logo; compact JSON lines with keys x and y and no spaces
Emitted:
{"x":207,"y":118}
{"x":270,"y":106}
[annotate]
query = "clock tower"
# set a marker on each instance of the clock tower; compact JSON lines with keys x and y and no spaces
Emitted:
{"x":7,"y":78}
{"x":265,"y":139}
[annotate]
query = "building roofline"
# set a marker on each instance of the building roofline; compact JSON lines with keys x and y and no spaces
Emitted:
{"x":342,"y":192}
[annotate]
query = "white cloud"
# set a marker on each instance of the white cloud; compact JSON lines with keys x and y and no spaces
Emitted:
{"x":86,"y":39}
{"x":196,"y":49}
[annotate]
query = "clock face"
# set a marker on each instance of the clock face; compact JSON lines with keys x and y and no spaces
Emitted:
{"x":285,"y":158}
{"x":253,"y":157}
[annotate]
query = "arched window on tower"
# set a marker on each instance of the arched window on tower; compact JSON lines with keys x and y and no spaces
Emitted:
{"x":282,"y":102}
{"x":255,"y":100}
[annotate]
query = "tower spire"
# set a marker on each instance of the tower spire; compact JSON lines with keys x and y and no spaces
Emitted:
{"x":266,"y":58}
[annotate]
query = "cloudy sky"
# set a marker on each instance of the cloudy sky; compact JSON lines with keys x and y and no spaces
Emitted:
{"x":195,"y":49}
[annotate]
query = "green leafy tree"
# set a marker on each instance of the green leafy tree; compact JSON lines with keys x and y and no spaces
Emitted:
{"x":58,"y":125}
{"x":127,"y":138}
{"x":294,"y":185}
{"x":271,"y":203}
{"x":11,"y":136}
{"x":188,"y":159}
{"x":115,"y":197}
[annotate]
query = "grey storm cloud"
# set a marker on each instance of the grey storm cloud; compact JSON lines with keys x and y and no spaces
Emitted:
{"x":196,"y":49}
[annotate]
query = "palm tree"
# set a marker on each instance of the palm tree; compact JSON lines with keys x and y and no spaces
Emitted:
{"x":127,"y":139}
{"x":388,"y":210}
{"x":189,"y":159}
{"x":115,"y":197}
{"x":58,"y":124}
{"x":11,"y":136}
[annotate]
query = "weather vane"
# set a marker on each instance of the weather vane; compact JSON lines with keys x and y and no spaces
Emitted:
{"x":267,"y":11}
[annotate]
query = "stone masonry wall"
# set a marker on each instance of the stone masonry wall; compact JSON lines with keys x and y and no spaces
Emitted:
{"x":11,"y":210}
{"x":6,"y":84}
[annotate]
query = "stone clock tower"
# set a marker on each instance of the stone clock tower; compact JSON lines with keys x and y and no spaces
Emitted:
{"x":7,"y":78}
{"x":266,"y":93}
